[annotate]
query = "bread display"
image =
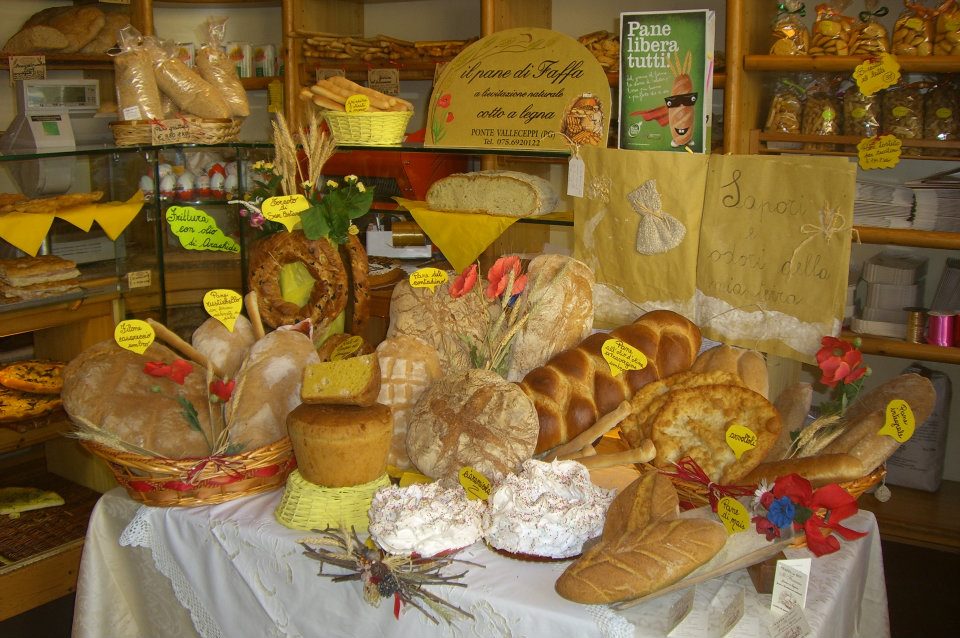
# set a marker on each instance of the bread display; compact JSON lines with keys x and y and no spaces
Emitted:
{"x":340,"y":445}
{"x":26,"y":278}
{"x":574,"y":388}
{"x":558,"y":303}
{"x":350,"y":381}
{"x":83,"y":28}
{"x":408,"y":366}
{"x":224,"y":348}
{"x":471,"y":418}
{"x":331,"y":94}
{"x":507,"y":193}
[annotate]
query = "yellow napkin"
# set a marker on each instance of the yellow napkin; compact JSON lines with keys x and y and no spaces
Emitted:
{"x":461,"y":237}
{"x":25,"y":230}
{"x":114,"y":217}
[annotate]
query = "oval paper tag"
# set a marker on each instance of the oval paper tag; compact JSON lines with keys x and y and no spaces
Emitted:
{"x":877,"y":74}
{"x":285,"y":209}
{"x":622,"y":356}
{"x":879,"y":152}
{"x":476,"y":484}
{"x":733,"y":514}
{"x":348,"y":348}
{"x":134,"y":335}
{"x":899,"y":422}
{"x":223,"y":305}
{"x":197,"y":230}
{"x":741,"y":439}
{"x":357,"y":104}
{"x":428,"y":278}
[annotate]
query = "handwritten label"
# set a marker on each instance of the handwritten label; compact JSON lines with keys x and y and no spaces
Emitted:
{"x":387,"y":81}
{"x":323,"y":74}
{"x":680,"y":609}
{"x":476,"y":484}
{"x":621,"y":356}
{"x":790,"y":585}
{"x":350,"y":347}
{"x":733,"y":514}
{"x":899,"y":422}
{"x":27,"y":67}
{"x":576,"y":176}
{"x":412,"y":478}
{"x":223,"y":305}
{"x":285,"y":209}
{"x":877,"y":74}
{"x":792,"y":624}
{"x":741,"y":439}
{"x":171,"y":132}
{"x":357,"y":104}
{"x":134,"y":335}
{"x":724,"y":617}
{"x":428,"y":278}
{"x":197,"y":230}
{"x":882,"y":151}
{"x":139,"y":279}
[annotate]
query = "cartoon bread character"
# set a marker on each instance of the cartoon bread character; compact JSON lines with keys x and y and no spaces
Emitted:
{"x":681,"y":111}
{"x":583,"y":122}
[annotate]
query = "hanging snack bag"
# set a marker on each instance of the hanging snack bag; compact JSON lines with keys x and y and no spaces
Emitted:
{"x":786,"y":108}
{"x":913,"y":31}
{"x":861,"y":113}
{"x":941,"y":121}
{"x":946,"y":40}
{"x":790,"y":35}
{"x":138,"y":97}
{"x":831,"y":30}
{"x":869,"y":37}
{"x":217,"y":69}
{"x":902,"y":108}
{"x":191,"y":93}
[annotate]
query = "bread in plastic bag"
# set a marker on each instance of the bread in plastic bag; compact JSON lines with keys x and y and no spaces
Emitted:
{"x":191,"y":93}
{"x":216,"y":68}
{"x":138,"y":97}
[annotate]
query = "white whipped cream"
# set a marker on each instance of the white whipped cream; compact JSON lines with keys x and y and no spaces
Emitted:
{"x":548,"y":509}
{"x":424,"y":519}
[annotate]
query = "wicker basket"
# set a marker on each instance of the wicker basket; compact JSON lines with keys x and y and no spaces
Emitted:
{"x":306,"y":506}
{"x":185,"y":482}
{"x":198,"y":131}
{"x":368,"y":128}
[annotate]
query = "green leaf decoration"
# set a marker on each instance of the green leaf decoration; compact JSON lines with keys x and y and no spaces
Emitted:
{"x":189,"y":413}
{"x":313,"y":223}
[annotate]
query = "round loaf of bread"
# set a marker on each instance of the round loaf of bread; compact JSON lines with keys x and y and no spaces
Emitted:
{"x":749,"y":365}
{"x":472,"y":418}
{"x":226,"y":349}
{"x":340,"y":445}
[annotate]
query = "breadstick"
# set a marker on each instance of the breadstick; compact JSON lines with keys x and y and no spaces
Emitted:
{"x":377,"y":99}
{"x":173,"y":340}
{"x":324,"y":103}
{"x":321,"y":90}
{"x":643,"y":454}
{"x":587,"y":451}
{"x":603,"y":425}
{"x":253,"y":312}
{"x":332,"y":87}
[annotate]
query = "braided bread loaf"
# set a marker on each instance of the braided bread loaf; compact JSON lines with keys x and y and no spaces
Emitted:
{"x":575,"y":388}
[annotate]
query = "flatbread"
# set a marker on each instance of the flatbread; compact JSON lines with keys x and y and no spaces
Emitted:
{"x":26,"y":271}
{"x":16,"y":405}
{"x":14,"y":500}
{"x":52,"y":204}
{"x":38,"y":377}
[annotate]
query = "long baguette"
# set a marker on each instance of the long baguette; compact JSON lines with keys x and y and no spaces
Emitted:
{"x":643,"y":454}
{"x":377,"y":99}
{"x":819,"y":470}
{"x":326,"y":103}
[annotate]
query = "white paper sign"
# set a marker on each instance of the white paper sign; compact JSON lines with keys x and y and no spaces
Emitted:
{"x":792,"y":624}
{"x":576,"y":175}
{"x":726,"y":612}
{"x":790,"y":585}
{"x":681,"y":608}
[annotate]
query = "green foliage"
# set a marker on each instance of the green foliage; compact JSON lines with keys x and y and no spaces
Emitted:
{"x":331,"y":214}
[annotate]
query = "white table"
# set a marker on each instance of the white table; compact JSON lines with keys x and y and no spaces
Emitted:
{"x":231,"y":570}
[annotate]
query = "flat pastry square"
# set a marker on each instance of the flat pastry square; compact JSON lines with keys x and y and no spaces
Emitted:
{"x":26,"y":271}
{"x":37,"y":291}
{"x":694,"y":421}
{"x":38,"y":377}
{"x":16,"y":405}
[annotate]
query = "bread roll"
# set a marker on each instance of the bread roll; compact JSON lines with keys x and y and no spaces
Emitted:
{"x":408,"y":366}
{"x":648,"y":499}
{"x":749,"y":365}
{"x":507,"y":193}
{"x":35,"y":39}
{"x":340,"y":445}
{"x":226,"y":350}
{"x":574,"y":388}
{"x":471,"y":418}
{"x":793,"y":404}
{"x":107,"y":386}
{"x":819,"y":470}
{"x":558,"y":304}
{"x":268,"y":388}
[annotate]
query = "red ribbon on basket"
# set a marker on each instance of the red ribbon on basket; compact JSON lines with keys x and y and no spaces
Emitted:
{"x":221,"y":462}
{"x":690,"y":470}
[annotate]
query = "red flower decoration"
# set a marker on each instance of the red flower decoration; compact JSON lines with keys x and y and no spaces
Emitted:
{"x":464,"y":282}
{"x":444,"y":101}
{"x":830,"y":504}
{"x":839,"y":362}
{"x":176,"y":371}
{"x":449,"y":117}
{"x":766,"y":528}
{"x":499,"y":274}
{"x":222,"y":390}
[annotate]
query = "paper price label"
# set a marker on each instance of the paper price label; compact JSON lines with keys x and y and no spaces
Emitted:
{"x":27,"y":67}
{"x":387,"y":81}
{"x":741,"y":439}
{"x":197,"y":230}
{"x":134,"y":335}
{"x":285,"y":209}
{"x":576,"y":176}
{"x":899,"y":422}
{"x":476,"y":484}
{"x":357,"y":104}
{"x":878,"y":74}
{"x":428,"y":278}
{"x":412,"y":478}
{"x":733,"y":514}
{"x":621,"y":356}
{"x":349,"y":348}
{"x":171,"y":132}
{"x":792,"y":624}
{"x":139,"y":279}
{"x":879,"y":152}
{"x":681,"y":607}
{"x":223,"y":305}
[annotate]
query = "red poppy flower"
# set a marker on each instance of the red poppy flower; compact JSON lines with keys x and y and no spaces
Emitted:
{"x":157,"y":368}
{"x":444,"y":101}
{"x":176,"y":371}
{"x":449,"y":117}
{"x":222,"y":390}
{"x":839,"y":362}
{"x":499,"y":273}
{"x":464,"y":282}
{"x":766,"y":528}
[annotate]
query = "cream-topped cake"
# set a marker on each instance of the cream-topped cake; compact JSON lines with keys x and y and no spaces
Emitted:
{"x":426,"y":519}
{"x":548,"y":510}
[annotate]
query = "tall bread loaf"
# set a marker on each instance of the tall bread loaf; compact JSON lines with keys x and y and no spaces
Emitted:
{"x":749,"y":365}
{"x":226,"y":349}
{"x":574,"y":388}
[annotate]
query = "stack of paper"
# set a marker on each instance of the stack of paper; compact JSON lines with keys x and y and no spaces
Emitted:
{"x":947,"y":296}
{"x":883,"y":205}
{"x":937,"y":202}
{"x":894,"y":281}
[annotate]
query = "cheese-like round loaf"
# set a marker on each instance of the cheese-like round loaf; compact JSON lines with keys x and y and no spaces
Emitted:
{"x":506,"y":193}
{"x":340,"y":445}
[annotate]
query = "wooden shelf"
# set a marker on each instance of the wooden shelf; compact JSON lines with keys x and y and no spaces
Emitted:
{"x":885,"y":346}
{"x":71,"y":62}
{"x":12,"y":439}
{"x":56,"y":314}
{"x":909,"y":237}
{"x":914,"y":517}
{"x":799,"y":63}
{"x":845,"y":145}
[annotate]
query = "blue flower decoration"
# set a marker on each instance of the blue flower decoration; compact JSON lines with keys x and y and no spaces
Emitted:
{"x":781,"y":512}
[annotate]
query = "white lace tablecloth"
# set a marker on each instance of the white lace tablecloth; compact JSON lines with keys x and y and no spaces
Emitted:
{"x":231,"y":570}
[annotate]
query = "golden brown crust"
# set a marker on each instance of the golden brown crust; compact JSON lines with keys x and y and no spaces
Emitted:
{"x":819,"y":470}
{"x":749,"y":365}
{"x":16,"y":405}
{"x":360,"y":308}
{"x":650,"y":498}
{"x":39,"y":377}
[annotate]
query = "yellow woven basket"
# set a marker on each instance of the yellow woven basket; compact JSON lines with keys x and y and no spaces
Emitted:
{"x":199,"y":481}
{"x":199,"y":131}
{"x":306,"y":506}
{"x":368,"y":128}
